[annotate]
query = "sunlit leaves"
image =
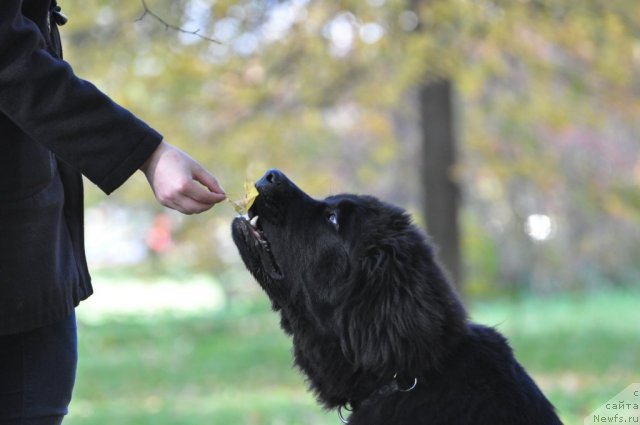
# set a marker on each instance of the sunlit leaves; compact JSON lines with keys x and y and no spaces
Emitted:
{"x":243,"y":204}
{"x":547,"y":96}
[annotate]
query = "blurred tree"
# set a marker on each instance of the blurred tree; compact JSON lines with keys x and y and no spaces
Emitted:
{"x":547,"y":100}
{"x":439,"y":181}
{"x":441,"y":193}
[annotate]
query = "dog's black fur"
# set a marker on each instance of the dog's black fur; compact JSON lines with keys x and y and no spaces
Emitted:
{"x":370,"y":311}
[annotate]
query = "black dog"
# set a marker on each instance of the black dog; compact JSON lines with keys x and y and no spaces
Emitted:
{"x":376,"y":327}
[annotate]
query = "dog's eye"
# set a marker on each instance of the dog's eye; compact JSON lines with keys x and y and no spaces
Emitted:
{"x":333,"y":219}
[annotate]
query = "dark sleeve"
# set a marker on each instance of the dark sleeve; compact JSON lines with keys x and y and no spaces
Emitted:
{"x":66,"y":114}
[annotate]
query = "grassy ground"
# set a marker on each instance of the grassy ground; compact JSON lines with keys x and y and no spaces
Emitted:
{"x":233,"y":366}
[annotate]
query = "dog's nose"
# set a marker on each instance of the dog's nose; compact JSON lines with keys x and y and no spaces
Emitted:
{"x":277,"y":190}
{"x":272,"y":177}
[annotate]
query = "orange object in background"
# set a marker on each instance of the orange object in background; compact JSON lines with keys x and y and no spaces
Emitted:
{"x":159,"y":239}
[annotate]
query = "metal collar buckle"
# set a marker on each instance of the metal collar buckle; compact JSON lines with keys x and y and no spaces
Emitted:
{"x":395,"y":386}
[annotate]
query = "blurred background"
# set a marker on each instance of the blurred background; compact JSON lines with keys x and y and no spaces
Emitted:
{"x":509,"y":129}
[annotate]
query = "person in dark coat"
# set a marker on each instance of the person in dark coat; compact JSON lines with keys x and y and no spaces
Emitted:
{"x":55,"y":127}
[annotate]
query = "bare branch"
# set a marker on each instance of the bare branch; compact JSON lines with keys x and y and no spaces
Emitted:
{"x":148,"y":12}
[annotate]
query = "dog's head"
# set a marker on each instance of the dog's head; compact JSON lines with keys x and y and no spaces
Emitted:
{"x":350,"y":269}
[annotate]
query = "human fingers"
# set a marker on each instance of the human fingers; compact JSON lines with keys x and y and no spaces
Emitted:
{"x":195,"y":191}
{"x":207,"y":179}
{"x":188,"y":206}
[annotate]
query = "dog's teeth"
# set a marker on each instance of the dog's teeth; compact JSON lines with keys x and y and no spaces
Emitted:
{"x":254,"y":221}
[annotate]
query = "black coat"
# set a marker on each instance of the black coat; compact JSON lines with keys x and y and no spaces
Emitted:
{"x":53,"y":128}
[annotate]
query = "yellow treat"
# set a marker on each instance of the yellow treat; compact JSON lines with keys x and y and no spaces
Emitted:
{"x":250,"y":194}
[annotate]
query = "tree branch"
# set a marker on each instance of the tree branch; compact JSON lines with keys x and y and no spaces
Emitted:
{"x":148,"y":12}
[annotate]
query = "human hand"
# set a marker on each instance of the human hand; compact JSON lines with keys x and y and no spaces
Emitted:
{"x":179,"y":182}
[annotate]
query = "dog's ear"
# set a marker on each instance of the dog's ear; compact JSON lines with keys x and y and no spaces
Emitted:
{"x":396,"y":318}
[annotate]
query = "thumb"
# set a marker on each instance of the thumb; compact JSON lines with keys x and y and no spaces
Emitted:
{"x":205,"y":178}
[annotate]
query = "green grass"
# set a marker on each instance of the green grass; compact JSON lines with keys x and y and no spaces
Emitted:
{"x":581,"y":349}
{"x":233,"y":367}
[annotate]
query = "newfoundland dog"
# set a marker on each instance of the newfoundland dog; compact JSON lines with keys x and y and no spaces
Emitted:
{"x":376,"y":326}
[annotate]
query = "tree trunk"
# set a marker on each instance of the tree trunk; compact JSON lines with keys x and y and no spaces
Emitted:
{"x":438,"y":160}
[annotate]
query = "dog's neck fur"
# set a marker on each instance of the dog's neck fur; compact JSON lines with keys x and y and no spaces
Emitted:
{"x":334,"y":377}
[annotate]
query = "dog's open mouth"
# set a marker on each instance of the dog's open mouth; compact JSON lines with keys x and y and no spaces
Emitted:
{"x":255,"y":236}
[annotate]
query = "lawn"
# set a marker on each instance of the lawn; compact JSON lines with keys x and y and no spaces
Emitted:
{"x":231,"y":365}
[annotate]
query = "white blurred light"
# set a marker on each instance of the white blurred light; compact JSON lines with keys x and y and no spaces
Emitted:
{"x":539,"y":227}
{"x":226,"y":29}
{"x":376,"y":3}
{"x":197,"y":14}
{"x":371,"y":33}
{"x":340,"y":31}
{"x":115,"y":236}
{"x":280,"y":19}
{"x":246,"y":44}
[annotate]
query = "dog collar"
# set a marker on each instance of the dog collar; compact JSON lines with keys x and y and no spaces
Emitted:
{"x":387,"y":389}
